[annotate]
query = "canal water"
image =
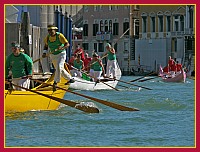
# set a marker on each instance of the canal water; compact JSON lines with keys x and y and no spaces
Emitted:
{"x":166,"y":119}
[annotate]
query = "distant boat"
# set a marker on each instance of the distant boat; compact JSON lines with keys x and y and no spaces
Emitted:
{"x":140,"y":70}
{"x":104,"y":84}
{"x":177,"y":77}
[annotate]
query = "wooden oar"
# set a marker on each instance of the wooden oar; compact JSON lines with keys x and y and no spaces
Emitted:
{"x":72,"y":104}
{"x":109,"y":85}
{"x":96,"y":61}
{"x":123,"y":86}
{"x":147,"y":79}
{"x":107,"y":103}
{"x":133,"y":84}
{"x":142,"y":77}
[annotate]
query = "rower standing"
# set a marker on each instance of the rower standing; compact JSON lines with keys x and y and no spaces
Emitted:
{"x":112,"y":62}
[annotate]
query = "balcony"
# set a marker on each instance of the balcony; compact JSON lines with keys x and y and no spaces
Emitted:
{"x":104,"y":36}
{"x":189,"y":31}
{"x":177,"y":34}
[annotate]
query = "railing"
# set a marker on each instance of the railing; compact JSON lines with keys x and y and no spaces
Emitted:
{"x":177,"y":33}
{"x":186,"y":32}
{"x":189,"y":31}
{"x":104,"y":37}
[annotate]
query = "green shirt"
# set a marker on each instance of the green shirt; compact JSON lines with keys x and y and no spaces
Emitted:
{"x":111,"y":56}
{"x":78,"y":65}
{"x":54,"y":45}
{"x":97,"y":66}
{"x":20,"y":65}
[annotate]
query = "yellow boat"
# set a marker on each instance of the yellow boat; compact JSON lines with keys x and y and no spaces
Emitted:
{"x":21,"y":101}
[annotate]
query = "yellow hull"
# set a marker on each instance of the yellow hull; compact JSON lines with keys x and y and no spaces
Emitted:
{"x":21,"y":101}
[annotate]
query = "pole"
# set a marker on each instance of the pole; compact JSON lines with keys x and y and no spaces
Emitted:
{"x":57,"y":18}
{"x":61,"y":22}
{"x":70,"y":37}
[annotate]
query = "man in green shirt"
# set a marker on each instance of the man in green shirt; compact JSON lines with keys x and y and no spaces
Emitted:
{"x":19,"y":67}
{"x":112,"y":62}
{"x":57,"y":44}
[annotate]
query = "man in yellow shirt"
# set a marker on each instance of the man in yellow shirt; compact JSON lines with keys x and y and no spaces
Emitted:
{"x":57,"y":44}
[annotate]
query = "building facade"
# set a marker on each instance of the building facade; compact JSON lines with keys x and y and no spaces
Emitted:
{"x":144,"y":36}
{"x":166,"y":30}
{"x":106,"y":24}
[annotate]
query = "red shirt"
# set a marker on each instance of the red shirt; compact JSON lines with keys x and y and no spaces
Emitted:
{"x":80,"y":51}
{"x":166,"y":69}
{"x":173,"y":67}
{"x":171,"y":62}
{"x":179,"y":67}
{"x":71,"y":62}
{"x":87,"y":61}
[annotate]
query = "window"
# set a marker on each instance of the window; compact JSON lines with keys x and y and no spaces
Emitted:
{"x":100,"y":7}
{"x":115,"y":28}
{"x":191,"y":17}
{"x":126,"y":47}
{"x":153,"y":24}
{"x":160,"y":19}
{"x":85,"y":8}
{"x":95,"y":47}
{"x":137,"y":29}
{"x":189,"y":44}
{"x":101,"y":26}
{"x":110,"y":26}
{"x":95,"y":8}
{"x":125,"y":59}
{"x":85,"y":30}
{"x":168,"y":23}
{"x":85,"y":46}
{"x":175,"y":45}
{"x":106,"y":25}
{"x":144,"y":24}
{"x":126,"y":7}
{"x":116,"y":7}
{"x":110,"y":7}
{"x":182,"y":23}
{"x":115,"y":47}
{"x":125,"y":27}
{"x":176,"y":23}
{"x":101,"y":47}
{"x":95,"y":29}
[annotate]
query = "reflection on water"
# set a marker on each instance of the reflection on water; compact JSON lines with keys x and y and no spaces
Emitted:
{"x":21,"y":115}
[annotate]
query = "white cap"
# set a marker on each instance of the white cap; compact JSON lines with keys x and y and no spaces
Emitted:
{"x":108,"y":44}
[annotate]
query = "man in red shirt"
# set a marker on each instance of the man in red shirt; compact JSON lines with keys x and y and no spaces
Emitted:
{"x":71,"y":61}
{"x":80,"y":51}
{"x":166,"y":69}
{"x":87,"y":61}
{"x":171,"y":62}
{"x":174,"y":68}
{"x":178,"y":66}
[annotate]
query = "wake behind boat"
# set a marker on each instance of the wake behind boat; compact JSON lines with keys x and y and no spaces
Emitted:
{"x":86,"y":84}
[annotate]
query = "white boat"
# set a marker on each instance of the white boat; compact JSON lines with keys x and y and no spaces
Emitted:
{"x":82,"y":84}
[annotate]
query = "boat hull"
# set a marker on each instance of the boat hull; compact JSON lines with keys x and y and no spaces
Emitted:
{"x":21,"y":101}
{"x":81,"y":84}
{"x":179,"y":77}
